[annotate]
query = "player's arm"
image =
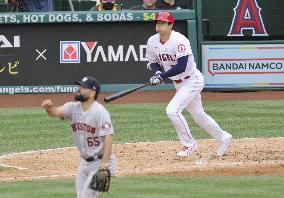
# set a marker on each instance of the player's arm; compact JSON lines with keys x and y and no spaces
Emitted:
{"x":52,"y":110}
{"x":152,"y":58}
{"x":156,"y":68}
{"x":177,"y":69}
{"x":180,"y":67}
{"x":107,"y":150}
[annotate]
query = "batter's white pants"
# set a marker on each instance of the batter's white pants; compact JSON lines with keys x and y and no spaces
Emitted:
{"x":188,"y":97}
{"x":85,"y":172}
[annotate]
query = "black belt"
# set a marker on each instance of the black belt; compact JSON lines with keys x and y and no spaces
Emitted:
{"x":93,"y":158}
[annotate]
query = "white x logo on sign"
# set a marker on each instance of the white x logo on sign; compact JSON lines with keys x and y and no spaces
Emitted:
{"x":40,"y":54}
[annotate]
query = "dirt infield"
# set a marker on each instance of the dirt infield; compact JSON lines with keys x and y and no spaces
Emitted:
{"x":26,"y":100}
{"x":246,"y":157}
{"x":263,"y":156}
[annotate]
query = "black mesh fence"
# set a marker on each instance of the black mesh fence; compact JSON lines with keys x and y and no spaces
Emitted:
{"x":85,"y":5}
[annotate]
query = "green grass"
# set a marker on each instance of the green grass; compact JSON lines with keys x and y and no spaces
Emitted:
{"x":148,"y":122}
{"x":31,"y":129}
{"x":24,"y":129}
{"x":157,"y":187}
{"x":40,"y":189}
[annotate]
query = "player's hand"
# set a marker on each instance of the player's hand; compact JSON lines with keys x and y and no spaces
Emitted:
{"x":156,"y":80}
{"x":103,"y":165}
{"x":47,"y":104}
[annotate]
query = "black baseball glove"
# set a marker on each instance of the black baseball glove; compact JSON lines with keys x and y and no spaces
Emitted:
{"x":101,"y":180}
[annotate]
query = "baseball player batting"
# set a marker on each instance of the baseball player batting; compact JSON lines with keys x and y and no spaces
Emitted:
{"x":171,"y":51}
{"x":92,"y":131}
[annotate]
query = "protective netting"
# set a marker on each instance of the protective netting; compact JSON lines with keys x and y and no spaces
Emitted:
{"x":84,"y":5}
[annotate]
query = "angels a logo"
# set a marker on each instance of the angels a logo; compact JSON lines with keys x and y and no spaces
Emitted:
{"x":95,"y":52}
{"x":247,"y":16}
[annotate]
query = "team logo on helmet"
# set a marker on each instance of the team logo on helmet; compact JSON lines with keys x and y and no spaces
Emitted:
{"x":165,"y":16}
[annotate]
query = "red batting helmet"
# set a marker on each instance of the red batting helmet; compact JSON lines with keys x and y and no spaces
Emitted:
{"x":165,"y":16}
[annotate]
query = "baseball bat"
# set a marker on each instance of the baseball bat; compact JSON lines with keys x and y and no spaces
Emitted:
{"x":124,"y":93}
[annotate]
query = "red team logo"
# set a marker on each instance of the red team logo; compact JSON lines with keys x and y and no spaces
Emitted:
{"x":247,"y":16}
{"x":181,"y":48}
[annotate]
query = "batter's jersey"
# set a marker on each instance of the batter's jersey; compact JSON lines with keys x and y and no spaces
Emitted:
{"x":88,"y":127}
{"x":166,"y":54}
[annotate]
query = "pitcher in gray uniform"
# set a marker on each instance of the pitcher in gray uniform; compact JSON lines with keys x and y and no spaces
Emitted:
{"x":92,"y":131}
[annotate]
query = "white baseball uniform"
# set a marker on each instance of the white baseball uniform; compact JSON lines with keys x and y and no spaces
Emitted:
{"x":88,"y":129}
{"x":188,"y":85}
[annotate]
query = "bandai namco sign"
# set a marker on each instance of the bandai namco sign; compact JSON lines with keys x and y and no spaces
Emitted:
{"x":5,"y":43}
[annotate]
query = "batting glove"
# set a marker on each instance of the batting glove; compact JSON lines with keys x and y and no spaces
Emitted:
{"x":156,"y":80}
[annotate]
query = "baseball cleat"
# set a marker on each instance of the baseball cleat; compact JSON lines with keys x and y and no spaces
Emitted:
{"x":186,"y":151}
{"x":223,"y":147}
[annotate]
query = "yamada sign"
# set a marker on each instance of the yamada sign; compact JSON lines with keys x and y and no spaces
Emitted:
{"x":71,"y":51}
